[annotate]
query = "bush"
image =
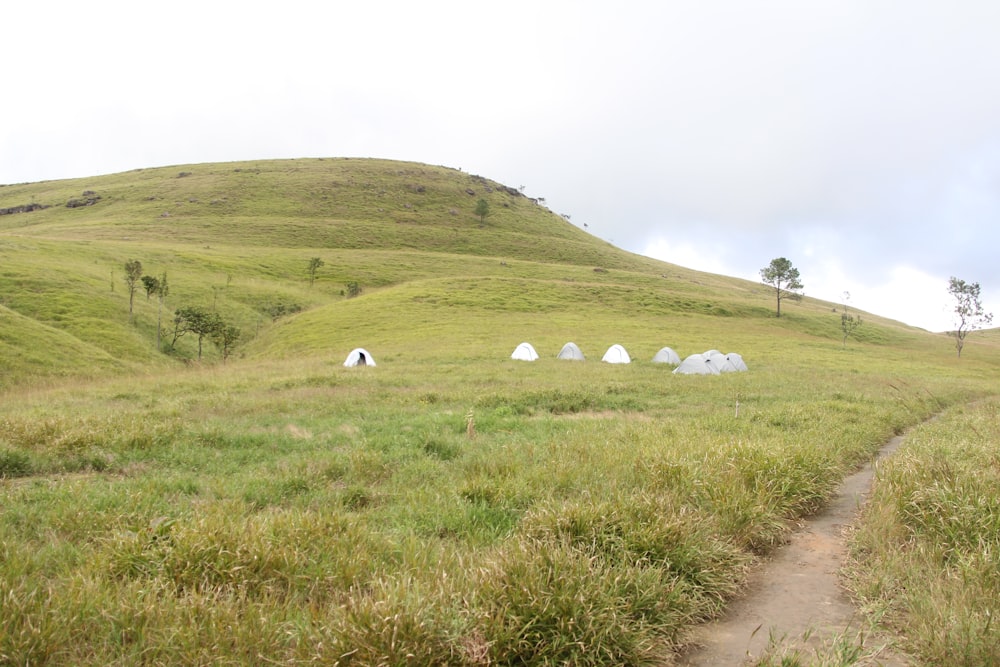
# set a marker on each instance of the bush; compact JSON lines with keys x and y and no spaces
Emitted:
{"x":14,"y":464}
{"x":353,"y":289}
{"x":278,"y":310}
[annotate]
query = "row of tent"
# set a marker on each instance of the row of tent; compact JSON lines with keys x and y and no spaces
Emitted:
{"x":711,"y":362}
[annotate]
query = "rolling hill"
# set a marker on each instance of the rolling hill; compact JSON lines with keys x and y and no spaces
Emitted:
{"x":450,"y":506}
{"x":433,"y":276}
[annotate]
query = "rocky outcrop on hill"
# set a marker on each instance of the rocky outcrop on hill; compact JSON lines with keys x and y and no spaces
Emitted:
{"x":27,"y":208}
{"x":90,"y":198}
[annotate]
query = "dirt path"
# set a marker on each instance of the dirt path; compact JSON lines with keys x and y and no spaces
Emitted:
{"x":796,"y":591}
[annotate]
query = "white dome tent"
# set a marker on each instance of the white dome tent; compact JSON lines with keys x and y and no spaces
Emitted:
{"x":572,"y":352}
{"x":697,"y":364}
{"x":524,"y":352}
{"x":616,"y":354}
{"x":726,"y":363}
{"x":737,"y":361}
{"x":667,"y":356}
{"x":720,"y":361}
{"x":359,"y":357}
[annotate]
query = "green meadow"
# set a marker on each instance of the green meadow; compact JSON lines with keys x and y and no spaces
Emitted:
{"x":449,"y":505}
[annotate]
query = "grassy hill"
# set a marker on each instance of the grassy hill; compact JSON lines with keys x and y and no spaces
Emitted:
{"x":450,"y":506}
{"x":237,"y":238}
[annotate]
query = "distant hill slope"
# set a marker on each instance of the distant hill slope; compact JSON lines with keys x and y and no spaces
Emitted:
{"x":335,"y":203}
{"x":237,"y":239}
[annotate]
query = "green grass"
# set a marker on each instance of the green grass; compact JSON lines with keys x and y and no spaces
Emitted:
{"x":928,"y":553}
{"x":587,"y":516}
{"x":448,"y":506}
{"x":843,"y":649}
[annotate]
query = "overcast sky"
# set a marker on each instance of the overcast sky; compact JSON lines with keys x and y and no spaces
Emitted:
{"x":858,"y":138}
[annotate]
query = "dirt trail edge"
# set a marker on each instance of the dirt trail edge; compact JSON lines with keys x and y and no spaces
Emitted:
{"x":796,"y":592}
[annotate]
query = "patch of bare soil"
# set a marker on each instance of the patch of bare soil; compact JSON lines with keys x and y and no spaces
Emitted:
{"x":795,"y":596}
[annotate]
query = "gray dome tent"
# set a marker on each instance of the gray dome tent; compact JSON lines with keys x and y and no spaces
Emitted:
{"x":571,"y":351}
{"x":697,"y":364}
{"x":720,"y":361}
{"x":667,"y":356}
{"x":737,"y":361}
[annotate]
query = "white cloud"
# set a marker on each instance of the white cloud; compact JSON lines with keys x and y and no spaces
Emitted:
{"x":906,"y":294}
{"x":698,"y":257}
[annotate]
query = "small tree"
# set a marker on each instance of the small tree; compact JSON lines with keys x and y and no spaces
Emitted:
{"x":314,"y":265}
{"x":784,"y":278}
{"x":133,"y":271}
{"x":162,"y":289}
{"x":353,"y":289}
{"x":225,"y":337}
{"x":150,"y":283}
{"x":969,"y":313}
{"x":848,"y":323}
{"x":482,"y":210}
{"x":198,"y":321}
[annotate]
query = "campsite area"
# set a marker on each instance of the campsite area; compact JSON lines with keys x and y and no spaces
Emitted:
{"x":447,"y":504}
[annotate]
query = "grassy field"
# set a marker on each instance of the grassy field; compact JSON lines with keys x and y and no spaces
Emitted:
{"x":447,"y":506}
{"x":928,"y":553}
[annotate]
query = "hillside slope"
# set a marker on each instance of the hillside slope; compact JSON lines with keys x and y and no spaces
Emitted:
{"x":433,"y":276}
{"x":345,"y":203}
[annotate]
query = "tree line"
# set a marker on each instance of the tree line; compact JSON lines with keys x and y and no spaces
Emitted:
{"x":195,"y":320}
{"x":203,"y":323}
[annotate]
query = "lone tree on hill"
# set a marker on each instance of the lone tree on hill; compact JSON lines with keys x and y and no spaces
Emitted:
{"x":969,"y":313}
{"x":314,"y":265}
{"x":162,"y":290}
{"x":848,"y":322}
{"x":784,"y":278}
{"x":482,"y":210}
{"x":225,"y":338}
{"x":198,"y":321}
{"x":133,"y":271}
{"x":151,"y":284}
